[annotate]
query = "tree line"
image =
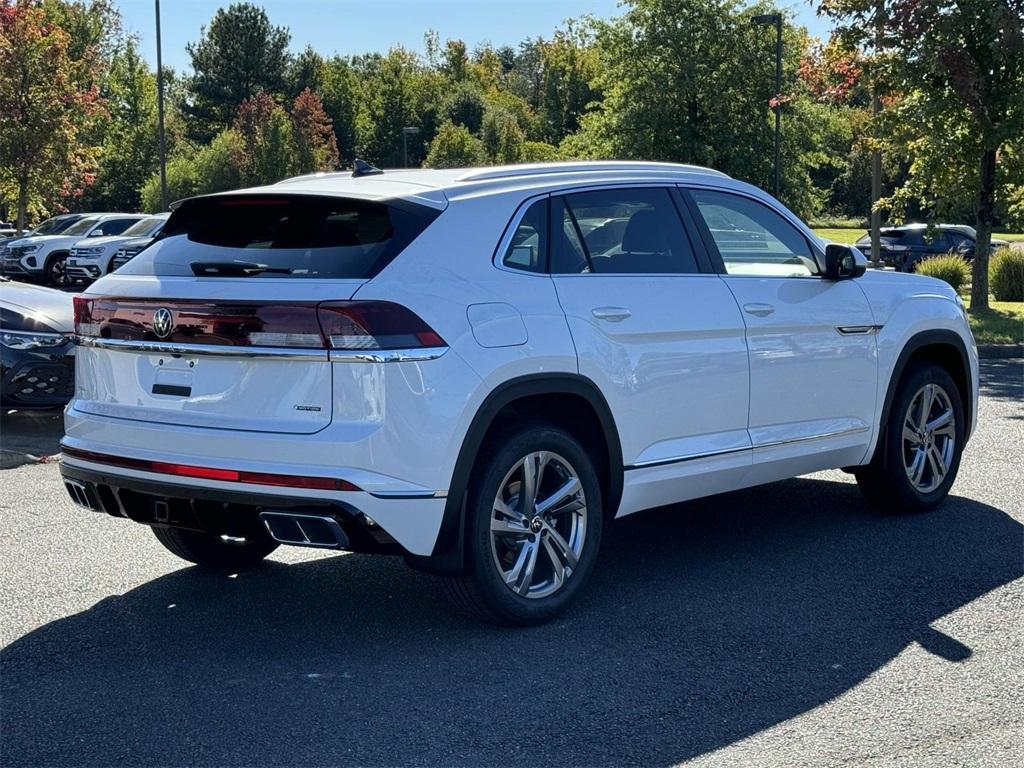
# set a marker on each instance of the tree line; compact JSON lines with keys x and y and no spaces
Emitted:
{"x":680,"y":80}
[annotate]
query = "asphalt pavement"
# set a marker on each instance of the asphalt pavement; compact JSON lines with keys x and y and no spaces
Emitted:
{"x":783,"y":625}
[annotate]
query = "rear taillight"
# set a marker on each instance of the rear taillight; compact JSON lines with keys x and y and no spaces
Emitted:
{"x":360,"y":325}
{"x":348,"y":325}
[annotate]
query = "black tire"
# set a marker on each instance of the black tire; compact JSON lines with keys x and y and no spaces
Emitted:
{"x":210,"y":551}
{"x":481,"y":591}
{"x":56,"y":273}
{"x":886,"y":481}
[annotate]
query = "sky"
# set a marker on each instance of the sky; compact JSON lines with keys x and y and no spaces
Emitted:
{"x":362,"y":26}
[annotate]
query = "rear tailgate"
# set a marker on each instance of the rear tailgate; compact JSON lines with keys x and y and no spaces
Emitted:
{"x":221,"y":323}
{"x":207,"y":372}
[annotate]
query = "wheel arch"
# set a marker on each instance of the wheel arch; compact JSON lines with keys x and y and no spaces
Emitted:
{"x":940,"y":346}
{"x":540,"y":395}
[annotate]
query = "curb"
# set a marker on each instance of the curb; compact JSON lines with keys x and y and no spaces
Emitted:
{"x":1000,"y":351}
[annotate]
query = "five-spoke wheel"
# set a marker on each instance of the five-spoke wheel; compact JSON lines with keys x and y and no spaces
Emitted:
{"x":918,"y":451}
{"x":539,"y":524}
{"x":534,"y":522}
{"x":929,"y":437}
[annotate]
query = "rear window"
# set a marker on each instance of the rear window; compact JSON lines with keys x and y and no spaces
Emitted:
{"x":294,"y":236}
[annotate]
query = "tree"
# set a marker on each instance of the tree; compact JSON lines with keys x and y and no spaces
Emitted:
{"x":454,"y":147}
{"x":315,"y":147}
{"x":389,"y":103}
{"x":569,"y":68}
{"x":130,"y":147}
{"x":502,"y":138}
{"x":465,"y":106}
{"x":955,"y":75}
{"x":213,"y":168}
{"x":267,"y":151}
{"x":305,"y":71}
{"x":341,"y":97}
{"x":43,"y":109}
{"x":239,"y":55}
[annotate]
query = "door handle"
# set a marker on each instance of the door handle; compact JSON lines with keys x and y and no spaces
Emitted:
{"x":761,"y":310}
{"x":611,"y":314}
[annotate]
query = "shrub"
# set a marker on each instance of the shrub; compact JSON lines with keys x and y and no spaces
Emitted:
{"x":948,"y":267}
{"x":1006,"y":275}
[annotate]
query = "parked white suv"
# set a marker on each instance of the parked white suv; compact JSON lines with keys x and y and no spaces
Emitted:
{"x":94,"y":257}
{"x":43,"y":258}
{"x":477,"y":369}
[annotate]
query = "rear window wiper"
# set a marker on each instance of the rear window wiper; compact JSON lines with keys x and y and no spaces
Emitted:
{"x":234,"y":269}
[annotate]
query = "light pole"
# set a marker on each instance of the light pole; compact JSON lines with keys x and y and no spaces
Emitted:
{"x":406,"y":133}
{"x":766,"y":19}
{"x":160,"y":113}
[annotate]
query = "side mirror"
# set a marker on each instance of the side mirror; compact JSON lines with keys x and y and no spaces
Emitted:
{"x":96,"y":233}
{"x":844,"y":262}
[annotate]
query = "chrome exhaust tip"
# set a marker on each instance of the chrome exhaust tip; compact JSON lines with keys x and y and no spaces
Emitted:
{"x":304,"y":529}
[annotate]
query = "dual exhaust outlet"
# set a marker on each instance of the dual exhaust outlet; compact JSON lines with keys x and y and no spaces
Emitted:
{"x":302,"y":529}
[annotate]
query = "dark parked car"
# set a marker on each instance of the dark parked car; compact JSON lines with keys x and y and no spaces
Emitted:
{"x":37,"y":363}
{"x":903,"y":247}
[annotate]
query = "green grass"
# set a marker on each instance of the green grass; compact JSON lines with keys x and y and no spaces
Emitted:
{"x":851,"y":234}
{"x":1003,"y":323}
{"x":839,"y":235}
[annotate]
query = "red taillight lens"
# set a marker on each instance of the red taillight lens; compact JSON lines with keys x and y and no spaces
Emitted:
{"x":359,"y":325}
{"x":83,"y":317}
{"x":351,"y":325}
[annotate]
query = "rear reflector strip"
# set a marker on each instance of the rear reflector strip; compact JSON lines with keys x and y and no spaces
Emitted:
{"x":210,"y":473}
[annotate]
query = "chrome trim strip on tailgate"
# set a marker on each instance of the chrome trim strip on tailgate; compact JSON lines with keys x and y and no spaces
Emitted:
{"x":387,"y":355}
{"x":210,"y":350}
{"x":277,"y":353}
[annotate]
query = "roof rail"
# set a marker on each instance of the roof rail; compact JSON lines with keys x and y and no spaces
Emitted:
{"x":588,"y":166}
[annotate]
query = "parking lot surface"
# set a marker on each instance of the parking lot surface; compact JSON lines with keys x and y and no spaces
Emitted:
{"x":783,"y":625}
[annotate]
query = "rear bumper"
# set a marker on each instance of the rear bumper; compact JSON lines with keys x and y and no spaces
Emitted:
{"x":398,"y":524}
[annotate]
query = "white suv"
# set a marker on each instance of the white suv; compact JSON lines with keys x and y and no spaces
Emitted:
{"x":43,"y":258}
{"x":477,"y":369}
{"x":94,"y":257}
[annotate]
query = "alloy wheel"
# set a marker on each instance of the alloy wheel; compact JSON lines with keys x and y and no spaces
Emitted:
{"x":929,"y":438}
{"x":59,"y":272}
{"x":538,"y":525}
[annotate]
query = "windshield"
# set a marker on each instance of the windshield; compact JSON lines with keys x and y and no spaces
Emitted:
{"x":81,"y":227}
{"x":53,"y":225}
{"x":144,"y":227}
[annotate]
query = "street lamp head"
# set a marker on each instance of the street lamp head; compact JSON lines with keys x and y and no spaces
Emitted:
{"x":410,"y":130}
{"x":766,"y":18}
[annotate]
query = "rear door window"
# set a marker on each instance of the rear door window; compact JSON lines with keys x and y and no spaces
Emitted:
{"x":298,"y":236}
{"x":622,"y":231}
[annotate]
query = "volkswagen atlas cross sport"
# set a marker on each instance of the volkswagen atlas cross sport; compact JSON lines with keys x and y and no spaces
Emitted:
{"x":478,"y":369}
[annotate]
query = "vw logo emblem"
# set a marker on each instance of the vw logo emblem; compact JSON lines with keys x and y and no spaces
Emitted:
{"x":163,"y":322}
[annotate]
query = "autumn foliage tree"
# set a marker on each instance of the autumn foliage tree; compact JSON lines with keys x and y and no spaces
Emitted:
{"x":44,"y":110}
{"x":267,"y":150}
{"x":315,"y":146}
{"x":954,"y":73}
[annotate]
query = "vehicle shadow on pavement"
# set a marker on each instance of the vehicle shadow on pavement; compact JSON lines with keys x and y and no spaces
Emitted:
{"x":28,"y":436}
{"x":1003,"y":379}
{"x":704,"y":623}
